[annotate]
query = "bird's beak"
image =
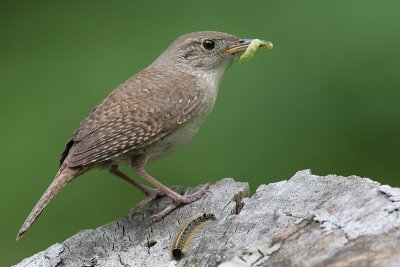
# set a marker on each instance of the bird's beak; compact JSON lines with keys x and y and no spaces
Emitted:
{"x":243,"y":44}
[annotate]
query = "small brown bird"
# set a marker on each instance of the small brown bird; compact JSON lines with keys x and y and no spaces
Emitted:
{"x":148,"y":116}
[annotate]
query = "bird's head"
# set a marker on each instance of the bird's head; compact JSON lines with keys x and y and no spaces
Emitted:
{"x":203,"y":51}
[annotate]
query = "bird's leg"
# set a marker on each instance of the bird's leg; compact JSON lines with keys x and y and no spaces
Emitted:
{"x":177,"y":199}
{"x":150,"y":193}
{"x":146,"y":190}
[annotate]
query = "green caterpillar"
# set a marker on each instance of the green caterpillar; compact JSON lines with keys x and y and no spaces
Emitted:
{"x":252,"y":48}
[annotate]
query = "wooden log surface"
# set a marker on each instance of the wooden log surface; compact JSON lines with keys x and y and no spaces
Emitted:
{"x":308,"y":220}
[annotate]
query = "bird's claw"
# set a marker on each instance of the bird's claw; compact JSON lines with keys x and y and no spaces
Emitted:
{"x":185,"y":199}
{"x":151,"y":195}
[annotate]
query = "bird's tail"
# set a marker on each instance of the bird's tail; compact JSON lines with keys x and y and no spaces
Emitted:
{"x":64,"y":175}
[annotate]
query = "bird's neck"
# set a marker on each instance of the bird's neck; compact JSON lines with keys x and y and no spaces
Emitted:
{"x":210,"y":78}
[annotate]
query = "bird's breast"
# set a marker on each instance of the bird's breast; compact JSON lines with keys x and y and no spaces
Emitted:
{"x":185,"y":131}
{"x":188,"y":122}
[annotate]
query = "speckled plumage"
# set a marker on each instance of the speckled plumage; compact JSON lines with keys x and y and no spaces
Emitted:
{"x":138,"y":113}
{"x":150,"y":114}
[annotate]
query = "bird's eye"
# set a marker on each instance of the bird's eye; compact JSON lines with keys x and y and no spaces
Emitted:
{"x":208,"y":44}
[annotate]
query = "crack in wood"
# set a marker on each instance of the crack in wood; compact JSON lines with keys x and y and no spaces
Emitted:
{"x":239,"y":203}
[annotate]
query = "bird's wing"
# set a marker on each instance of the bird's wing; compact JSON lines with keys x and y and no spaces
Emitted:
{"x":134,"y":115}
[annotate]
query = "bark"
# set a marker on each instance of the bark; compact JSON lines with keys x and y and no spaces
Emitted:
{"x":308,"y":220}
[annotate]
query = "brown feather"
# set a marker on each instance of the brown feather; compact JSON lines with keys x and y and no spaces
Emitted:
{"x":64,"y":175}
{"x":131,"y":117}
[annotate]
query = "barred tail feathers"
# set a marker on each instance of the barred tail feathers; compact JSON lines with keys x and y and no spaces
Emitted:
{"x":64,"y":175}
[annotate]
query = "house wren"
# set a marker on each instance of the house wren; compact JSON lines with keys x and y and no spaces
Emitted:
{"x":149,"y":115}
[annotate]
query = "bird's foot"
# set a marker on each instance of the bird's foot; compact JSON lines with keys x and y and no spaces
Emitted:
{"x":151,"y":194}
{"x":181,"y":200}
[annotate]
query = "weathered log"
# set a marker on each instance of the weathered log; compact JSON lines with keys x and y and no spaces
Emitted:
{"x":308,"y":220}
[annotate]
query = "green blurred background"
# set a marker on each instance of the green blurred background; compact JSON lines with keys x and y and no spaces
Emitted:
{"x":326,"y":98}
